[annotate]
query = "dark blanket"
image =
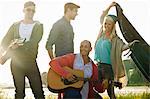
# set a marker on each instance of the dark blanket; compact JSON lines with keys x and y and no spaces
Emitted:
{"x":140,"y":51}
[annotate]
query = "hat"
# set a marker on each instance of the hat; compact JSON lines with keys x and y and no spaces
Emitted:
{"x":113,"y":17}
{"x":71,"y":6}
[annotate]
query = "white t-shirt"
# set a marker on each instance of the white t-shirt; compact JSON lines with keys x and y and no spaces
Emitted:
{"x":25,"y":30}
{"x":87,"y":68}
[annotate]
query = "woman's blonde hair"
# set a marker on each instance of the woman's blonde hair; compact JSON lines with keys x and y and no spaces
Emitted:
{"x":113,"y":33}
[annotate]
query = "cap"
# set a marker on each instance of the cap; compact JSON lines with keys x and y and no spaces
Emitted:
{"x":115,"y":19}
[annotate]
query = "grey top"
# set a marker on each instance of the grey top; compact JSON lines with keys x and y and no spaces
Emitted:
{"x":61,"y":35}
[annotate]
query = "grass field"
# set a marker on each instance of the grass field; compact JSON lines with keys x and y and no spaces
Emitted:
{"x":125,"y":93}
{"x":127,"y":96}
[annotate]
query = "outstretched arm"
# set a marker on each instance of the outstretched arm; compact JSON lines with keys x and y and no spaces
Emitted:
{"x":105,"y":12}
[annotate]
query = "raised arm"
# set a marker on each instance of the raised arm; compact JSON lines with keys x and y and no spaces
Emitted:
{"x":105,"y":12}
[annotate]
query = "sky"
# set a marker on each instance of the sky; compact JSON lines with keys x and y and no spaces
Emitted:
{"x":86,"y":25}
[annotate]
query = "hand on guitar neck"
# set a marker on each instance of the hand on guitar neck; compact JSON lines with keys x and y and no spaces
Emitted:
{"x":105,"y":83}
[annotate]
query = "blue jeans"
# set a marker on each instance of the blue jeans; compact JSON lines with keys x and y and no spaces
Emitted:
{"x":72,"y":94}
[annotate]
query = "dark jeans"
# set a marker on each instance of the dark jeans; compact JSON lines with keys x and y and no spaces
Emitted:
{"x":29,"y":69}
{"x":72,"y":94}
{"x":110,"y":91}
{"x":105,"y":71}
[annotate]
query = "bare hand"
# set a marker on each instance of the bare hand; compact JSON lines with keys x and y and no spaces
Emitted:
{"x":15,"y":44}
{"x":134,"y":42}
{"x":70,"y":77}
{"x":112,"y":4}
{"x":105,"y":83}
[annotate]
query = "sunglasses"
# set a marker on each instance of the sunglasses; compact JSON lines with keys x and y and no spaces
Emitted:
{"x":30,"y":10}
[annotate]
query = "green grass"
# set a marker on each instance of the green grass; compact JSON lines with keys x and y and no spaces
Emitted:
{"x":119,"y":96}
{"x":134,"y":96}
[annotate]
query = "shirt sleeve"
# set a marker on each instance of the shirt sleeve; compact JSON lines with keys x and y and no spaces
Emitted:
{"x":58,"y":63}
{"x":57,"y":67}
{"x":8,"y":37}
{"x":54,"y":33}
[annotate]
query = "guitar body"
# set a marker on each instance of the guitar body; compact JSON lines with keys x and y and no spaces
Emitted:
{"x":56,"y":85}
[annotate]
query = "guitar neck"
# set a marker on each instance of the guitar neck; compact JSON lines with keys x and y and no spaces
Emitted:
{"x":82,"y":79}
{"x":117,"y":84}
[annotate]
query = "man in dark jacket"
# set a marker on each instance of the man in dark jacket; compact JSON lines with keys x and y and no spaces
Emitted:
{"x":23,"y":57}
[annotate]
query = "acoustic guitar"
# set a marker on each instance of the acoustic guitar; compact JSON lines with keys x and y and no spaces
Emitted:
{"x":57,"y":83}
